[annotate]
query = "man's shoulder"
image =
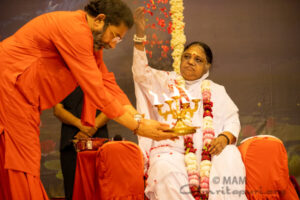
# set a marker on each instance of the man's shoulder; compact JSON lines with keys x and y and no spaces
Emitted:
{"x":64,"y":14}
{"x":70,"y":30}
{"x":69,"y":20}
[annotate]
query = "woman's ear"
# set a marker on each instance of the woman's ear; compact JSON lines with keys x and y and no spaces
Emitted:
{"x":207,"y":67}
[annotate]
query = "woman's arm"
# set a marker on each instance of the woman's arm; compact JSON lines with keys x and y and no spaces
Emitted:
{"x":230,"y":125}
{"x":140,"y":24}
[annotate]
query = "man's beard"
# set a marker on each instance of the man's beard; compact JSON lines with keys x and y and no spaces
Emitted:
{"x":98,"y":44}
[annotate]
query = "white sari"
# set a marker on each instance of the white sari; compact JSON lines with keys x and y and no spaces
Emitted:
{"x":164,"y":160}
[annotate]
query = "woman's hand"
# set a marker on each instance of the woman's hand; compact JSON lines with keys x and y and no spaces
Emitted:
{"x":220,"y":142}
{"x":217,"y":145}
{"x":139,"y":20}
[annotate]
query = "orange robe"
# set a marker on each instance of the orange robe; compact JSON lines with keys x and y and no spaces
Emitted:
{"x":40,"y":65}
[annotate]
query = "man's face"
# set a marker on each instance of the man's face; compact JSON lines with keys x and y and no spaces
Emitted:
{"x":108,"y":36}
{"x":193,"y":63}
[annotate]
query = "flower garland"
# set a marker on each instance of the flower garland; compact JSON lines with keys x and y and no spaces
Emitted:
{"x":199,"y":181}
{"x":178,"y":38}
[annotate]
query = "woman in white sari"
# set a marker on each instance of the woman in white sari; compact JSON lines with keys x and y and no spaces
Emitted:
{"x":164,"y":160}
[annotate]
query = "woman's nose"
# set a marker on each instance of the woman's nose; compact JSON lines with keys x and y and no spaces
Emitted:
{"x":191,"y":61}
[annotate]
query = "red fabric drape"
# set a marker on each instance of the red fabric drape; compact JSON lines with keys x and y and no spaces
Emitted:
{"x":267,"y":174}
{"x":120,"y":171}
{"x":114,"y":172}
{"x":85,"y":177}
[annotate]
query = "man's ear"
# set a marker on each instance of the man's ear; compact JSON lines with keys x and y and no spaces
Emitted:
{"x":99,"y":21}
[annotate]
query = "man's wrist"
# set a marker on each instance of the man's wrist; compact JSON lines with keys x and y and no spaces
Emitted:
{"x":138,"y":118}
{"x":137,"y":128}
{"x":97,"y":125}
{"x":78,"y":123}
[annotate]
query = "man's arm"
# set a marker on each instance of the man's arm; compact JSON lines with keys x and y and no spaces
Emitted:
{"x":75,"y":46}
{"x":130,"y":109}
{"x":101,"y":120}
{"x":65,"y":116}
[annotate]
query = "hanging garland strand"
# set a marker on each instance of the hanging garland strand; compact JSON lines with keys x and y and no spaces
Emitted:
{"x":178,"y":38}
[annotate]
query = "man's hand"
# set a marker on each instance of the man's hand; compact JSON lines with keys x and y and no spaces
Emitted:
{"x":81,"y":135}
{"x":88,"y":130}
{"x":92,"y":131}
{"x":139,"y":20}
{"x":155,"y":130}
{"x":84,"y":129}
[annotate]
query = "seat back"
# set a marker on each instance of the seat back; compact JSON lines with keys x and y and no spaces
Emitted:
{"x":266,"y":163}
{"x":120,"y":171}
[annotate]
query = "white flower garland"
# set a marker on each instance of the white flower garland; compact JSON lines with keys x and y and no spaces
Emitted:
{"x":178,"y":37}
{"x":196,"y":178}
{"x":198,"y":175}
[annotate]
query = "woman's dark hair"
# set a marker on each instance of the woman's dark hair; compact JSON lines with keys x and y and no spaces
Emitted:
{"x":207,"y":50}
{"x":116,"y":11}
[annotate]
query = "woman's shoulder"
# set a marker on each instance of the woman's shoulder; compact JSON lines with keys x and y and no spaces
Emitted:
{"x":216,"y":87}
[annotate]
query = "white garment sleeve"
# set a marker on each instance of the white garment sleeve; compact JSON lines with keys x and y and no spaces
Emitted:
{"x":146,"y":79}
{"x":231,"y":122}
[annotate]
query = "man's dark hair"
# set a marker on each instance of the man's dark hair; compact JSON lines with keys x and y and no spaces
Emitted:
{"x":207,"y":50}
{"x":116,"y":11}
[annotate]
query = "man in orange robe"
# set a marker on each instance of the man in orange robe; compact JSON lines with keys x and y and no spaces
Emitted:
{"x":40,"y":65}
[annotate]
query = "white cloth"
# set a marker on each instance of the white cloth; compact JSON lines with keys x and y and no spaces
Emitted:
{"x":166,"y":158}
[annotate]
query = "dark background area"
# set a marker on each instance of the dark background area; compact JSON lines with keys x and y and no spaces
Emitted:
{"x":256,"y":57}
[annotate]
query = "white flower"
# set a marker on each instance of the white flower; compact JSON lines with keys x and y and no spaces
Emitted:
{"x":191,"y":168}
{"x":205,"y":85}
{"x":190,"y":156}
{"x":204,"y":173}
{"x":205,"y":163}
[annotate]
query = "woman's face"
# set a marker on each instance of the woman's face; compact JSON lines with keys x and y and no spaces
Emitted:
{"x":193,"y":63}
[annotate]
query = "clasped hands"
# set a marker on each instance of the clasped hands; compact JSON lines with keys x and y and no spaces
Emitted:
{"x":85,"y":132}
